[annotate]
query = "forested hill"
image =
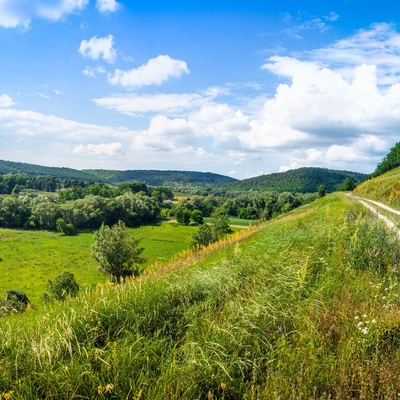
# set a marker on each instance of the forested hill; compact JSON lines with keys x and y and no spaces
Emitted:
{"x":10,"y":167}
{"x":174,"y":179}
{"x":302,"y":180}
{"x":162,"y":178}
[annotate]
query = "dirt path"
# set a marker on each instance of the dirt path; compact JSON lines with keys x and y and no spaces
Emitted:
{"x":373,"y":206}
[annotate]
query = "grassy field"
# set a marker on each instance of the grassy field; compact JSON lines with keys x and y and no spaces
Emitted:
{"x":304,"y":308}
{"x":30,"y":258}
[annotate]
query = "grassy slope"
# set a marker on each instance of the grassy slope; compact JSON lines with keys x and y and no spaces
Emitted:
{"x":281,"y":314}
{"x":384,"y":188}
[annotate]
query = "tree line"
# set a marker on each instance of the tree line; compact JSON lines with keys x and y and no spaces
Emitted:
{"x":248,"y":205}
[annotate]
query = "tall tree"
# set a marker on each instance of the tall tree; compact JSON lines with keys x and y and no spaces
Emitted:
{"x":117,"y":252}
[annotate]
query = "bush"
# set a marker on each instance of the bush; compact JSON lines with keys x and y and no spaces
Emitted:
{"x":63,"y":286}
{"x":65,"y":228}
{"x":15,"y":301}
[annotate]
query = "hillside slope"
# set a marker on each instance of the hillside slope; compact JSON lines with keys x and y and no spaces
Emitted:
{"x":384,"y":188}
{"x":305,"y":307}
{"x":302,"y":180}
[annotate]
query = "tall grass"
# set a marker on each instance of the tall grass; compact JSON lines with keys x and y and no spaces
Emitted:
{"x":282,"y":313}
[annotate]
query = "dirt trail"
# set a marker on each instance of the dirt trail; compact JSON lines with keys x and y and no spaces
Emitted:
{"x":367,"y":203}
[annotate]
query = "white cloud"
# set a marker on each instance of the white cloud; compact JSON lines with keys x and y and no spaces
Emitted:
{"x":379,"y":45}
{"x":6,"y":101}
{"x":23,"y":124}
{"x":19,"y":13}
{"x":107,"y":5}
{"x":92,"y":72}
{"x":166,"y":134}
{"x":155,"y":72}
{"x":102,"y":149}
{"x":55,"y":10}
{"x":99,"y":48}
{"x":133,"y":104}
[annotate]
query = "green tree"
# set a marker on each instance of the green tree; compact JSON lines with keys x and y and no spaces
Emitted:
{"x":321,"y":190}
{"x":66,"y":229}
{"x":220,"y":226}
{"x":348,"y":185}
{"x":203,"y":237}
{"x":117,"y":253}
{"x":63,"y":286}
{"x":183,"y":215}
{"x":197,"y":217}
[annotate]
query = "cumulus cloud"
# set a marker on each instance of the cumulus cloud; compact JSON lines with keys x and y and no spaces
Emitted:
{"x":99,"y":48}
{"x":6,"y":101}
{"x":378,"y":45}
{"x":155,"y":72}
{"x":102,"y":149}
{"x":19,"y":13}
{"x":165,"y":134}
{"x":107,"y":5}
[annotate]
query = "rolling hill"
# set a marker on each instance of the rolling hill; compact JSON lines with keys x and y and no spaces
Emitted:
{"x":161,"y":178}
{"x":150,"y":177}
{"x":302,"y":180}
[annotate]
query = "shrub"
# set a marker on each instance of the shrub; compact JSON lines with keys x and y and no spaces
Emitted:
{"x":63,"y":286}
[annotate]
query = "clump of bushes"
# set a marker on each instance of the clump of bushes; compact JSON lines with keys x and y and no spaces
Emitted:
{"x":63,"y":286}
{"x":15,"y":301}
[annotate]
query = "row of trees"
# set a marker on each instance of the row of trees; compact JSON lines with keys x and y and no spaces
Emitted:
{"x":35,"y":212}
{"x":249,"y":205}
{"x":391,"y":161}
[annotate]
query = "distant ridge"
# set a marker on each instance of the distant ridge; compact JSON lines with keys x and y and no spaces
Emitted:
{"x":302,"y":180}
{"x":7,"y":167}
{"x":150,"y":177}
{"x":159,"y":178}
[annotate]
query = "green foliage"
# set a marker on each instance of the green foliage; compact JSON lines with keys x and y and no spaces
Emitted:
{"x":390,"y":161}
{"x":63,"y":286}
{"x":348,"y":185}
{"x":219,"y":227}
{"x":183,"y":215}
{"x":203,"y":236}
{"x":197,"y":217}
{"x":117,"y":253}
{"x":15,"y":302}
{"x":66,"y":229}
{"x":321,"y":190}
{"x":302,"y":180}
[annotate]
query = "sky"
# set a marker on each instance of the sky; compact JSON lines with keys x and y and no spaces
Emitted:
{"x":239,"y":88}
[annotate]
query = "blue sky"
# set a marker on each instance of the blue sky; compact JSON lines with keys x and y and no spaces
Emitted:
{"x":241,"y":88}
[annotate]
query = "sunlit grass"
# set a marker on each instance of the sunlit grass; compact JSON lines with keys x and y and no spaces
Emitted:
{"x":277,"y":311}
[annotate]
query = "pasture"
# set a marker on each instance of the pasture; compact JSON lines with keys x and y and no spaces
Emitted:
{"x":28,"y":259}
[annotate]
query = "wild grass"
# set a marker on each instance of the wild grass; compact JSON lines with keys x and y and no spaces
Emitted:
{"x":279,"y":312}
{"x":384,"y":188}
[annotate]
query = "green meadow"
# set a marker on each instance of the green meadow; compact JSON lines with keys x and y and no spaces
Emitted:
{"x":30,"y":258}
{"x":304,"y":307}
